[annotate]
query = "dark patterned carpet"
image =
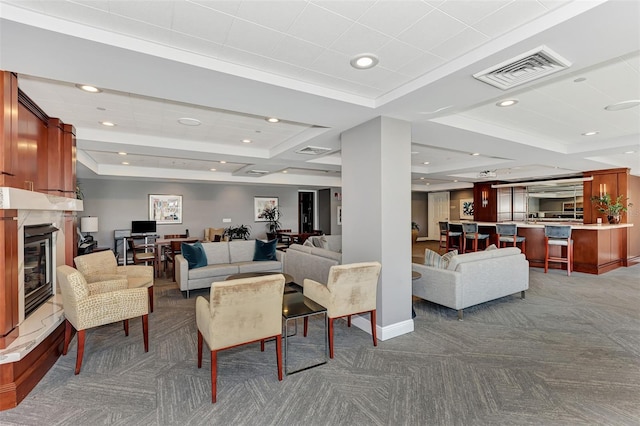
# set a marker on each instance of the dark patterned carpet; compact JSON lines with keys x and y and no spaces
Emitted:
{"x":566,"y":355}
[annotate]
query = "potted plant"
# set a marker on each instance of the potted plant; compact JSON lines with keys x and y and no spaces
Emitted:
{"x":240,"y":232}
{"x":272,"y":215}
{"x":415,"y":228}
{"x":612,"y":208}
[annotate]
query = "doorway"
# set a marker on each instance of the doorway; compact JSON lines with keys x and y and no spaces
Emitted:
{"x":306,"y":211}
{"x":438,"y":211}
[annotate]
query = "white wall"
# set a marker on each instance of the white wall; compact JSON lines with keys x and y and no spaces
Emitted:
{"x":117,"y":202}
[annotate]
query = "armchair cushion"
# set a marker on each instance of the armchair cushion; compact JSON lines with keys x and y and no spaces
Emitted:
{"x":194,"y":254}
{"x":265,"y":250}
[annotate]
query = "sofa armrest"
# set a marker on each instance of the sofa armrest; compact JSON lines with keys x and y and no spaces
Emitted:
{"x":182,"y":272}
{"x":437,"y":285}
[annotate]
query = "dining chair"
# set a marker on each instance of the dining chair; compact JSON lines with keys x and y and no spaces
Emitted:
{"x":167,"y":256}
{"x":239,"y":312}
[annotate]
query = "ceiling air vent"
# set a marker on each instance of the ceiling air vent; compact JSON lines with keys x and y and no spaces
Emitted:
{"x":313,"y":150}
{"x":257,"y":172}
{"x":524,"y":68}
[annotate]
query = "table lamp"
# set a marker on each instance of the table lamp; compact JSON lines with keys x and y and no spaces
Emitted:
{"x":89,"y":224}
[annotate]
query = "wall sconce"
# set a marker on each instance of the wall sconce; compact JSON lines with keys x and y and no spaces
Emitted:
{"x":485,"y":198}
{"x":603,"y":189}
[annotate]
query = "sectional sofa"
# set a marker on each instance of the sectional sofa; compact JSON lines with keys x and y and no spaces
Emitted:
{"x":311,"y":260}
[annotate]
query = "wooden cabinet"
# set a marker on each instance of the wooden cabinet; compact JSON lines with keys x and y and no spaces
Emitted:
{"x":8,"y":128}
{"x":485,"y":202}
{"x":612,"y":181}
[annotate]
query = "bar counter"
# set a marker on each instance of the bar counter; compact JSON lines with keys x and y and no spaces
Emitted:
{"x":597,"y":248}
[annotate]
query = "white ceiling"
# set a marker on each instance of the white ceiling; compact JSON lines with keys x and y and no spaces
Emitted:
{"x":231,"y":64}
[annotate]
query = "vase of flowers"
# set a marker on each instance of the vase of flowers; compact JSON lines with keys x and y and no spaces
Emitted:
{"x":612,"y":208}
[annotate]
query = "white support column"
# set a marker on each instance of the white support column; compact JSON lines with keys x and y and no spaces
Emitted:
{"x":376,"y":215}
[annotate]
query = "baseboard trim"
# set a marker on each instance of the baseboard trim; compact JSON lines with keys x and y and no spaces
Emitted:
{"x":383,"y":333}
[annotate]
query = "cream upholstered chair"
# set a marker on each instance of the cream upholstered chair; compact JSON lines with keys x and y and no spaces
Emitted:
{"x":239,"y":312}
{"x":102,"y":265}
{"x":88,"y":305}
{"x":351,"y":289}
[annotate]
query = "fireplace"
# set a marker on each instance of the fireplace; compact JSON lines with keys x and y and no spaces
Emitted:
{"x":38,"y":265}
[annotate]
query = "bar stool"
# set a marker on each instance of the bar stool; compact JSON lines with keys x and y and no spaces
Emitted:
{"x":470,"y":232}
{"x":508,"y":233}
{"x":446,"y":233}
{"x":558,"y":235}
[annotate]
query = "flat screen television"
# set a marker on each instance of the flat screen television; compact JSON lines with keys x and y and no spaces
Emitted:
{"x":143,"y":227}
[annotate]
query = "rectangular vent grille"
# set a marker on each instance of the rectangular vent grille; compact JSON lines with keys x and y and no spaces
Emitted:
{"x":313,"y":150}
{"x":257,"y":172}
{"x":524,"y":68}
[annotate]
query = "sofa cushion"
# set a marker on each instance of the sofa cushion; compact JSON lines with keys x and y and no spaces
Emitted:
{"x":308,"y":242}
{"x":321,"y":242}
{"x":333,"y":255}
{"x":213,"y":271}
{"x":263,"y":266}
{"x":491,"y":247}
{"x":265,"y":250}
{"x":217,"y":253}
{"x":194,"y":254}
{"x":432,"y":258}
{"x":241,"y":251}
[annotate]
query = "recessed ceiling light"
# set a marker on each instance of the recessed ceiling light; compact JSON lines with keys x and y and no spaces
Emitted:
{"x":414,"y":152}
{"x":455,"y":180}
{"x":284,"y":171}
{"x":223,"y":162}
{"x":213,"y":170}
{"x":122,"y":153}
{"x":590,"y":133}
{"x":189,"y":121}
{"x":272,"y":119}
{"x":125,"y":163}
{"x":426,"y":162}
{"x":364,"y":61}
{"x":246,"y":140}
{"x":629,"y":152}
{"x":475,"y":154}
{"x":88,"y":88}
{"x":580,"y":79}
{"x":107,"y":123}
{"x":422,"y":178}
{"x":507,"y":103}
{"x":427,"y":183}
{"x":618,"y":106}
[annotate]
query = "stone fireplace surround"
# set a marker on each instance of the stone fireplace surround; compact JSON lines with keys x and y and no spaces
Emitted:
{"x":36,"y":208}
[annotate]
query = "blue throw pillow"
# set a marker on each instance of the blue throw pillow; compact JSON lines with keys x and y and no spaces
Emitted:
{"x":265,"y":250}
{"x":194,"y":253}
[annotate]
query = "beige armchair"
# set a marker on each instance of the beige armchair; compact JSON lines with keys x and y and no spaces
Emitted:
{"x":351,"y":289}
{"x":88,"y":305}
{"x":103,"y":266}
{"x":239,"y":312}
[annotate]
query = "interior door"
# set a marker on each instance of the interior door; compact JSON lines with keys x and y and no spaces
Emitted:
{"x":438,"y":206}
{"x":305,"y":212}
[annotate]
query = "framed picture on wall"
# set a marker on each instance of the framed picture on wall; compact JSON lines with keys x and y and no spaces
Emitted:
{"x":165,"y":209}
{"x":466,"y":208}
{"x":260,"y":204}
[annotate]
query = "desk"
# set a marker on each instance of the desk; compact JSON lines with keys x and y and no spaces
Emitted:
{"x":295,"y":305}
{"x":160,"y":245}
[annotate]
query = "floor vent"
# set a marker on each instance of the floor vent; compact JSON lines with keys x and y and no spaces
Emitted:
{"x":524,"y":68}
{"x":313,"y":150}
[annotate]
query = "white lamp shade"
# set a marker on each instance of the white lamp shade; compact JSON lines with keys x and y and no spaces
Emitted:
{"x":89,"y":224}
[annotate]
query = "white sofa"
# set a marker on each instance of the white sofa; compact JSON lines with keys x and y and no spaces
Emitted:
{"x":473,"y":278}
{"x":304,"y":261}
{"x":223,"y":259}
